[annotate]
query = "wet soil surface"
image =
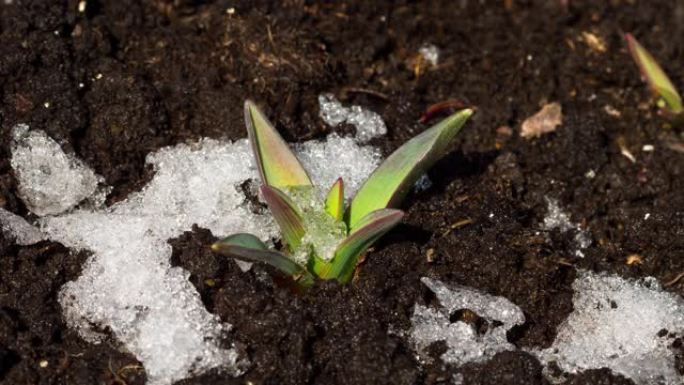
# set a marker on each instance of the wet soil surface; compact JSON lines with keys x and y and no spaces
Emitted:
{"x":123,"y":78}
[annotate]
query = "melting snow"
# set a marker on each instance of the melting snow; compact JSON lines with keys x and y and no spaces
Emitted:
{"x":368,"y":124}
{"x":338,"y":156}
{"x":464,"y":344}
{"x":128,"y":285}
{"x":16,"y":227}
{"x":628,"y":326}
{"x":625,"y":325}
{"x":50,"y":181}
{"x":556,"y":218}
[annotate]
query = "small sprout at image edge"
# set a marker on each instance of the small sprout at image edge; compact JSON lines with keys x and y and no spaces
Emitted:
{"x":670,"y":102}
{"x":321,"y":237}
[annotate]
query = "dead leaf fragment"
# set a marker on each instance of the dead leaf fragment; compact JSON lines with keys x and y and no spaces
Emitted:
{"x":430,"y":255}
{"x":543,"y":122}
{"x":624,"y":149}
{"x":612,"y":111}
{"x":634,"y":259}
{"x":594,"y":42}
{"x":674,"y":280}
{"x":672,"y":142}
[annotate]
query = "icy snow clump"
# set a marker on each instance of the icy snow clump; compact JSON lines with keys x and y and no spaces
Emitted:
{"x":368,"y":124}
{"x":50,"y":181}
{"x":464,"y":343}
{"x":128,"y":286}
{"x":17,"y":228}
{"x":625,"y":325}
{"x":338,"y":157}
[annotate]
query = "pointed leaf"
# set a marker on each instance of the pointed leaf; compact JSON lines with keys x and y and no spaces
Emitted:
{"x":277,"y":164}
{"x":250,"y":248}
{"x":370,"y":229}
{"x":286,"y":214}
{"x":334,"y":202}
{"x":654,"y":75}
{"x":390,"y":182}
{"x":242,"y":240}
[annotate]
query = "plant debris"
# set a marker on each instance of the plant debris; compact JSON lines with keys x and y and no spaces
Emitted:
{"x":543,"y":122}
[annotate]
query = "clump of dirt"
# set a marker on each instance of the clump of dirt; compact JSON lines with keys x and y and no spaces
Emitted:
{"x":124,"y":78}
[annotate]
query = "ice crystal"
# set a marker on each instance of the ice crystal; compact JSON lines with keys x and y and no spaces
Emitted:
{"x":323,"y":232}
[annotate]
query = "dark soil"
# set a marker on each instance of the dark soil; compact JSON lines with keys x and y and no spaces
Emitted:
{"x":124,"y":78}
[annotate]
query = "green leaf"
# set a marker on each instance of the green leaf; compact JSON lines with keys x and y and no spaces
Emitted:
{"x":318,"y":265}
{"x":370,"y":229}
{"x":390,"y":182}
{"x":242,"y":240}
{"x":250,"y":248}
{"x":277,"y":164}
{"x":654,"y":75}
{"x":286,"y":214}
{"x":334,"y":201}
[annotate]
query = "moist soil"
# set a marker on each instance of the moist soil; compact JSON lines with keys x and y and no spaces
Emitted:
{"x":122,"y":78}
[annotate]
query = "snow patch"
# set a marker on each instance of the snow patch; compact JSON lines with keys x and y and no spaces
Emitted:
{"x":128,"y":286}
{"x":368,"y":124}
{"x":464,"y":344}
{"x":338,"y":157}
{"x":49,"y":180}
{"x":625,"y":325}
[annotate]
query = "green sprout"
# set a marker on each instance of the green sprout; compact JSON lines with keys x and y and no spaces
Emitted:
{"x":670,"y":103}
{"x":322,"y":239}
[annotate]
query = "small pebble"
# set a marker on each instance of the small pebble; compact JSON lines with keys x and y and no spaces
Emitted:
{"x":430,"y":53}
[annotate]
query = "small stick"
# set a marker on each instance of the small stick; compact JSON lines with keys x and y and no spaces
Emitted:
{"x":359,"y":90}
{"x":437,"y":108}
{"x":674,"y":280}
{"x":456,"y":225}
